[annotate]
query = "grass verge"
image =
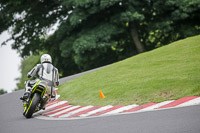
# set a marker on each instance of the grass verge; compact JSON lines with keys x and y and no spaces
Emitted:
{"x":166,"y":73}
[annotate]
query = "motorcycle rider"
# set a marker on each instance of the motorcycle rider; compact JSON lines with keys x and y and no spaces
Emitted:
{"x":46,"y":71}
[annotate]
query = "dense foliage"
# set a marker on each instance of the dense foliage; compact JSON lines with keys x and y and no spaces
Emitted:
{"x":93,"y":33}
{"x":2,"y":91}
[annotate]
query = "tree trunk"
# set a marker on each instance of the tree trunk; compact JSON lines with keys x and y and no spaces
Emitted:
{"x":139,"y":46}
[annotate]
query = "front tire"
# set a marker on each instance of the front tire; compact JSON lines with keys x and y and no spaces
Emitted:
{"x":31,"y":108}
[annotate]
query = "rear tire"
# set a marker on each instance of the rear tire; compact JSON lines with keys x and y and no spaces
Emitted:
{"x":31,"y":108}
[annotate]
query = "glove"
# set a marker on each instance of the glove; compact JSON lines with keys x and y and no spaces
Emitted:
{"x":29,"y":76}
{"x":57,"y":83}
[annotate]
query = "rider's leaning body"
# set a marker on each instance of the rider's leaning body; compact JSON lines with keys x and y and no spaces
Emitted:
{"x":46,"y":71}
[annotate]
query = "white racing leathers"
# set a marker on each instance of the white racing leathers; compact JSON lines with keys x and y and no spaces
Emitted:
{"x":47,"y":72}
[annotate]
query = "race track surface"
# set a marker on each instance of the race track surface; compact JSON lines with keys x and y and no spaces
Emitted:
{"x":177,"y":120}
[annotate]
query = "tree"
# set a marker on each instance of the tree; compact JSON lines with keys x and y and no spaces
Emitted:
{"x":2,"y":91}
{"x":28,"y":22}
{"x":93,"y":33}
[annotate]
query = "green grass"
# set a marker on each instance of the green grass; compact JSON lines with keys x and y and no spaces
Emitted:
{"x":169,"y":72}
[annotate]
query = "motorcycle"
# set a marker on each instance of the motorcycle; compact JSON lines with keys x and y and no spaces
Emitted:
{"x":37,"y":99}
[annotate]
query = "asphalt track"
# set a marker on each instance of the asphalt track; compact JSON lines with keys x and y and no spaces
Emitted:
{"x":176,"y":120}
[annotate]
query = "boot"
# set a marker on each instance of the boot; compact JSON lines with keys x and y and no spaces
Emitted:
{"x":53,"y":97}
{"x":25,"y":96}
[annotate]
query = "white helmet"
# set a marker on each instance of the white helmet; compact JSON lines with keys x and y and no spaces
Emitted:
{"x":45,"y":58}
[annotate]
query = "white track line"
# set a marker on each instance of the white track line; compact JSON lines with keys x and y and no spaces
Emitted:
{"x":121,"y":109}
{"x":118,"y":111}
{"x":63,"y":111}
{"x":53,"y":105}
{"x":191,"y":102}
{"x":57,"y":109}
{"x":156,"y":105}
{"x":75,"y":111}
{"x":78,"y":118}
{"x":56,"y":104}
{"x":96,"y":110}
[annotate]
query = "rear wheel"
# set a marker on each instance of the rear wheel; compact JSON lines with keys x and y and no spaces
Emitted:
{"x":31,"y":108}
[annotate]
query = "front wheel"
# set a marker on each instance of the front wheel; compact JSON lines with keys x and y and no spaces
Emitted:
{"x":31,"y":108}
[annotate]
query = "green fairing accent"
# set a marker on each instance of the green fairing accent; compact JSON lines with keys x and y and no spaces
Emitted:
{"x":39,"y":90}
{"x":44,"y":91}
{"x":25,"y":108}
{"x":35,"y":86}
{"x":29,"y":105}
{"x":24,"y":104}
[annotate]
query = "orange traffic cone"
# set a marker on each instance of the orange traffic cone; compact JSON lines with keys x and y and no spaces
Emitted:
{"x":101,"y":94}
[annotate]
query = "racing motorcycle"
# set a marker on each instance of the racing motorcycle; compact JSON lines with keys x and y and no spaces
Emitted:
{"x":37,"y":99}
